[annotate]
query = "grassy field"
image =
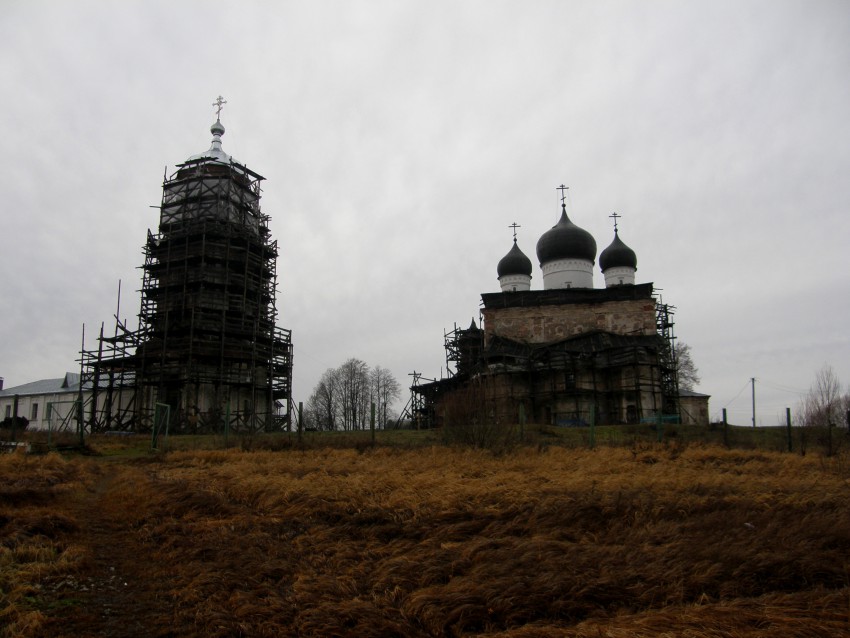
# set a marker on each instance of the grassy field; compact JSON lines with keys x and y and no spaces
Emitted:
{"x":417,"y":539}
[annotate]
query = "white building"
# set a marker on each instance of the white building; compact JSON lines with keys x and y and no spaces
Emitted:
{"x":45,"y":403}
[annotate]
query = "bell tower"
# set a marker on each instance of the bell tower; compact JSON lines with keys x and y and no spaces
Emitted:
{"x":208,"y":344}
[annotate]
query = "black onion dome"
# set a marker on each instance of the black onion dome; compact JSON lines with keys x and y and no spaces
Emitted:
{"x":617,"y":255}
{"x":514,"y":263}
{"x":565,"y":240}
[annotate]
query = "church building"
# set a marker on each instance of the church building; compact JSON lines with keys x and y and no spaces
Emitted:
{"x":207,"y":354}
{"x":568,"y":354}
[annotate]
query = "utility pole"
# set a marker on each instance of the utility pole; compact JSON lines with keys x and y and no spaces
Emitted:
{"x":754,"y":400}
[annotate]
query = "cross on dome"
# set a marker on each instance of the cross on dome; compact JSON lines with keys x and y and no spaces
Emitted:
{"x":514,"y":226}
{"x":219,"y":104}
{"x":563,"y":190}
{"x":615,"y":217}
{"x":215,"y":151}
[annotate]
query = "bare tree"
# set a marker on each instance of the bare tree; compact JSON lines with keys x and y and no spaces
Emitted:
{"x":823,"y":406}
{"x":341,"y":399}
{"x":354,"y":397}
{"x":688,"y":373}
{"x":323,"y":404}
{"x":385,"y":390}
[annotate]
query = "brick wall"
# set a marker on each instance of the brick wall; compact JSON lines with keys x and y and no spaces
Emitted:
{"x":549,"y":323}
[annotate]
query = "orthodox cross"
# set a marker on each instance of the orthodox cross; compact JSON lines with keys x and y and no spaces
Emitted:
{"x":219,"y":104}
{"x":615,"y":217}
{"x":514,"y":226}
{"x":563,"y":190}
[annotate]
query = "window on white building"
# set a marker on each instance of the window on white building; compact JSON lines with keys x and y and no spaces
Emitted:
{"x":34,"y":412}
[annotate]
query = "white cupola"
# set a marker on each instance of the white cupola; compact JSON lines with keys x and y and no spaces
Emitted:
{"x":514,"y":270}
{"x":566,"y":254}
{"x":618,"y":262}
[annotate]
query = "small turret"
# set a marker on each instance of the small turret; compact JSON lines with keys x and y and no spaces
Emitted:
{"x":618,"y":262}
{"x":514,"y":270}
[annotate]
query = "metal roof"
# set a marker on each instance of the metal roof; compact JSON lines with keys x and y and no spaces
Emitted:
{"x":70,"y":383}
{"x":215,"y":152}
{"x":691,"y":393}
{"x":617,"y":255}
{"x":565,"y":240}
{"x":514,"y":263}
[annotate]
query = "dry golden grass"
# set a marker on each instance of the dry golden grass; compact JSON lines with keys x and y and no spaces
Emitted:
{"x":699,"y":542}
{"x":35,"y":533}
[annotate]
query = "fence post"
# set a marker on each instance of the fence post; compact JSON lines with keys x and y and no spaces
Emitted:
{"x":15,"y":418}
{"x":829,"y":426}
{"x":592,"y":425}
{"x":372,"y":423}
{"x":49,"y":425}
{"x":155,"y":425}
{"x":300,"y":420}
{"x":158,"y":410}
{"x":725,"y":429}
{"x":522,"y":421}
{"x":80,"y":422}
{"x":226,"y":422}
{"x":788,"y":426}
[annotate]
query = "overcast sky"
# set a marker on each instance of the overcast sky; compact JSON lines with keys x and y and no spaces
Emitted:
{"x":400,"y":139}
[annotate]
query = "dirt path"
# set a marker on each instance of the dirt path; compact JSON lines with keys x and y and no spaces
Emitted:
{"x":110,"y":596}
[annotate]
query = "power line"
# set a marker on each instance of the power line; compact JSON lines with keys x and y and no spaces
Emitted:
{"x":743,"y":387}
{"x":783,"y":388}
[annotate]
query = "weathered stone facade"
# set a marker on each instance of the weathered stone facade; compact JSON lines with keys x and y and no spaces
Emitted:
{"x":563,"y":357}
{"x":693,"y":407}
{"x":547,"y":324}
{"x":548,"y":316}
